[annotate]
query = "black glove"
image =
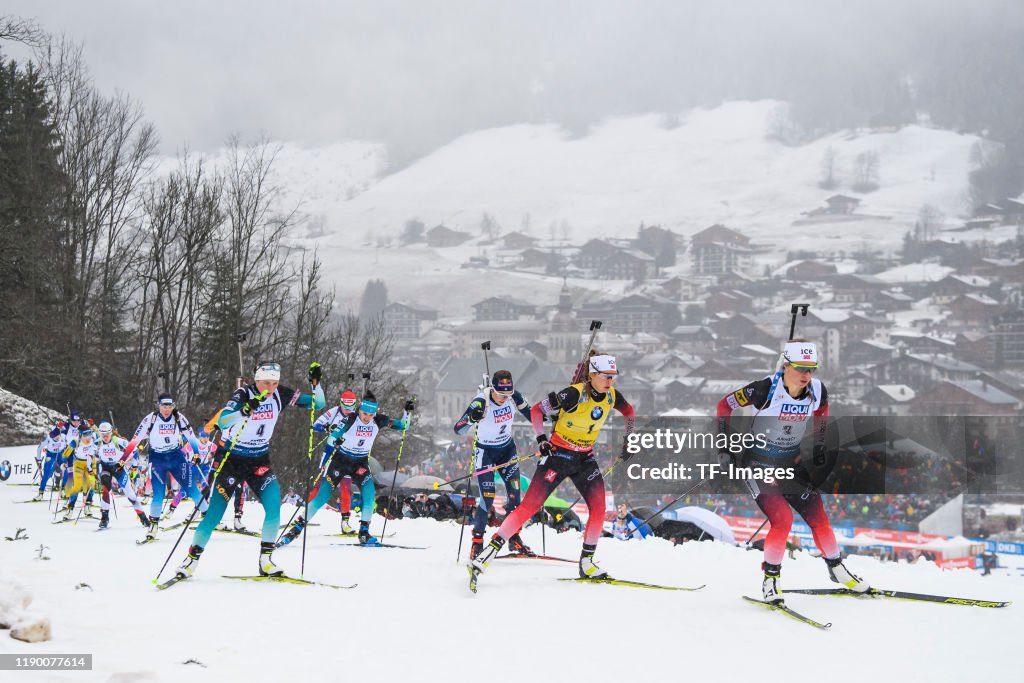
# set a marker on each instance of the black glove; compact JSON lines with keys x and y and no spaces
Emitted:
{"x":251,"y":405}
{"x":315,"y":373}
{"x":625,"y":454}
{"x":726,"y":457}
{"x":118,"y":470}
{"x":410,"y":405}
{"x":820,"y":455}
{"x":545,"y":446}
{"x":476,"y":414}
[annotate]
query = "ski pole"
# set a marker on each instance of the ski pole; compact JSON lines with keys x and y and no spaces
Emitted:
{"x":394,"y":479}
{"x":673,"y":502}
{"x":486,"y":346}
{"x":608,"y":471}
{"x":309,"y":457}
{"x":204,"y":498}
{"x":492,"y":468}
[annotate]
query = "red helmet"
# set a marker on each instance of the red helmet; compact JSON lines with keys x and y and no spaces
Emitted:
{"x":348,"y":399}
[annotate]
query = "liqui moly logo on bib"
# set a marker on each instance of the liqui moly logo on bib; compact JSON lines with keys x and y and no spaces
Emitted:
{"x":166,"y":429}
{"x":794,"y":412}
{"x":364,"y":430}
{"x":266,"y":412}
{"x":503,"y":414}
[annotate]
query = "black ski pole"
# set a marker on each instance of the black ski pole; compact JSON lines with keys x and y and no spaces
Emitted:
{"x":312,"y":417}
{"x":486,"y":346}
{"x":394,"y":479}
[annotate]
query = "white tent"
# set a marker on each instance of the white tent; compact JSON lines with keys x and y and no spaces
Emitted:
{"x":716,"y":527}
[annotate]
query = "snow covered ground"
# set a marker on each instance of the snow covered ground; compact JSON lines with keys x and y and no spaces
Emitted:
{"x":411,"y":618}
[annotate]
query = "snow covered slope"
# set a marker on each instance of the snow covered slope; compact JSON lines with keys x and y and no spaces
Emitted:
{"x":22,"y":421}
{"x":412,"y":618}
{"x":717,"y":165}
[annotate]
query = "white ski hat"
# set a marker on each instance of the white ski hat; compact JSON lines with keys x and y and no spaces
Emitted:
{"x":267,"y":370}
{"x":603,"y":363}
{"x":106,"y":428}
{"x":803,"y":354}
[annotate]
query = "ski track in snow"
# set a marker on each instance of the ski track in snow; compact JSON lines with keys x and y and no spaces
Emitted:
{"x":412,"y":616}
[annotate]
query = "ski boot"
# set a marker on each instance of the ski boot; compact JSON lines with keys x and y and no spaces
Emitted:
{"x":238,"y":526}
{"x":38,"y":497}
{"x":267,"y":566}
{"x":479,"y":564}
{"x":188,"y":567}
{"x":477,"y":546}
{"x":67,"y":513}
{"x":771,"y":590}
{"x":516,"y":545}
{"x":143,"y":518}
{"x":293,"y":532}
{"x":838,"y":572}
{"x":364,"y":535}
{"x":346,"y":526}
{"x":153,"y":528}
{"x":88,"y":509}
{"x":589,"y":568}
{"x":104,"y":519}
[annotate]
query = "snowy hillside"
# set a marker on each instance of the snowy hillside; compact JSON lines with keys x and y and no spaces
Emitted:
{"x":22,"y":421}
{"x":716,"y":166}
{"x":412,"y":618}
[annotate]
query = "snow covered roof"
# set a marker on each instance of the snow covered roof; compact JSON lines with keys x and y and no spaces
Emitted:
{"x":915,"y":272}
{"x":981,"y":299}
{"x":944,"y":362}
{"x":985,"y":391}
{"x":971,"y":280}
{"x":830,"y":315}
{"x":900,"y":393}
{"x":759,"y":349}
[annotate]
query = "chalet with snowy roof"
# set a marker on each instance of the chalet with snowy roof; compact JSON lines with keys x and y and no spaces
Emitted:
{"x":511,"y":334}
{"x":988,"y":211}
{"x":868,"y":352}
{"x":717,"y":250}
{"x":974,"y":308}
{"x":999,"y":269}
{"x":977,"y":347}
{"x":980,"y":224}
{"x":841,"y":204}
{"x":408,"y":321}
{"x":954,"y":285}
{"x":741,"y":329}
{"x":631,"y":314}
{"x":593,"y":254}
{"x":517,"y":240}
{"x":854,"y":289}
{"x":888,"y":399}
{"x":966,"y":397}
{"x":441,"y":236}
{"x":722,"y":299}
{"x":503,"y":308}
{"x":849,"y":387}
{"x":543,"y":260}
{"x":889,"y":300}
{"x":1014,"y":211}
{"x":808,"y":269}
{"x":923,"y":370}
{"x":912,"y":341}
{"x":628,"y":264}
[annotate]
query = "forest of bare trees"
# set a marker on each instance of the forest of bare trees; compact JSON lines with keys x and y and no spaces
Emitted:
{"x":119,"y":282}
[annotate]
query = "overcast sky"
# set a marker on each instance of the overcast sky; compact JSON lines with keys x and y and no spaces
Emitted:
{"x":417,"y":73}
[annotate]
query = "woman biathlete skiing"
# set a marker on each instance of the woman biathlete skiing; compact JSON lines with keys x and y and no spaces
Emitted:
{"x":785,"y":402}
{"x":579,"y":412}
{"x":248,"y":422}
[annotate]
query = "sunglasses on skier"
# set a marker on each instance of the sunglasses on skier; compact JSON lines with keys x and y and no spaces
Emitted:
{"x":804,"y":369}
{"x":606,"y":375}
